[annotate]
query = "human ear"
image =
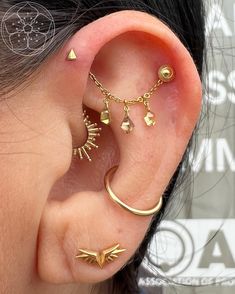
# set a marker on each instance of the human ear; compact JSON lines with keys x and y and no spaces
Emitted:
{"x":125,"y":50}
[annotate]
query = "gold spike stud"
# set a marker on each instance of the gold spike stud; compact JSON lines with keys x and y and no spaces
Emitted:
{"x":100,"y":257}
{"x":72,"y":55}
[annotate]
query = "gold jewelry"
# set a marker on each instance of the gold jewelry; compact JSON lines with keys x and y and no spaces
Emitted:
{"x":165,"y":74}
{"x":100,"y":258}
{"x":139,"y":212}
{"x":72,"y":55}
{"x":92,"y":133}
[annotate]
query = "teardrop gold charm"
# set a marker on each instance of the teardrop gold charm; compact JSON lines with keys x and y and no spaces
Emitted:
{"x":127,"y":124}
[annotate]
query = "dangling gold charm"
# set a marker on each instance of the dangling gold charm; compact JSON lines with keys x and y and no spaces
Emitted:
{"x":105,"y":116}
{"x":150,"y":119}
{"x":166,"y":73}
{"x":92,"y":133}
{"x":127,"y":124}
{"x":150,"y":116}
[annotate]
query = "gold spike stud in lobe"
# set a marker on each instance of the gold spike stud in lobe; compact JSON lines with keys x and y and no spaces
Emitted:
{"x":72,"y":55}
{"x":102,"y":257}
{"x":92,"y":133}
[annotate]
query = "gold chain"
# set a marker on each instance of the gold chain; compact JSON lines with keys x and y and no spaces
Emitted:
{"x":139,"y":99}
{"x":165,"y":74}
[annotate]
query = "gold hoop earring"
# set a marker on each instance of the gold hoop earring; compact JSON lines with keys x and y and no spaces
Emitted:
{"x":92,"y":133}
{"x":114,"y":197}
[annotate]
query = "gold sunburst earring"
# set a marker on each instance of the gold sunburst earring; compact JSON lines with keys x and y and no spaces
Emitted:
{"x":93,"y":131}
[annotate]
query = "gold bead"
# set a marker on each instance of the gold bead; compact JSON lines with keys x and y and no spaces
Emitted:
{"x":166,"y":73}
{"x":150,"y":119}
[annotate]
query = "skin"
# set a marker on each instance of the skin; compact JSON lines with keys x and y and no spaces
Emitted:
{"x":51,"y":203}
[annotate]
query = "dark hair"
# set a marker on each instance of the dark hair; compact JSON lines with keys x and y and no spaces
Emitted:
{"x":184,"y":17}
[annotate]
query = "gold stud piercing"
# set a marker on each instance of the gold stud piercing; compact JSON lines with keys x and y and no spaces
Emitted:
{"x":100,"y":258}
{"x":165,"y":74}
{"x":72,"y":55}
{"x":92,"y":133}
{"x":114,"y":197}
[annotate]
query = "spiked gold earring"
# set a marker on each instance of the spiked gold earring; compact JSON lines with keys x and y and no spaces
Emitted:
{"x":100,"y":258}
{"x":92,"y":133}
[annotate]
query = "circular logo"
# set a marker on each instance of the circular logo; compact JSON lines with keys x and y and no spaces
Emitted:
{"x":27,"y":28}
{"x":171,"y":250}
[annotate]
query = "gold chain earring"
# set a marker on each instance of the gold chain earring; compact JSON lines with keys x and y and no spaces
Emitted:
{"x":165,"y":75}
{"x":92,"y":133}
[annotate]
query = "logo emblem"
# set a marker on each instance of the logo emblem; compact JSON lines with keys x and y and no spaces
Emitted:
{"x":27,"y":28}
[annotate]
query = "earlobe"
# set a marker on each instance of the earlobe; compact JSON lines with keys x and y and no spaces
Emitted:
{"x":148,"y":153}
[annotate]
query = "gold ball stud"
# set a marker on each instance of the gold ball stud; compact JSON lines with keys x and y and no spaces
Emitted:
{"x":166,"y":73}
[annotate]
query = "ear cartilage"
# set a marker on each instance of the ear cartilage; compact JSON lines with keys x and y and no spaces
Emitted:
{"x":92,"y":133}
{"x":100,"y":258}
{"x":71,"y":55}
{"x":165,"y":74}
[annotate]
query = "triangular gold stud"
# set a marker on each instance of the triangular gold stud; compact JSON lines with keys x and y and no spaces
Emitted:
{"x":72,"y":55}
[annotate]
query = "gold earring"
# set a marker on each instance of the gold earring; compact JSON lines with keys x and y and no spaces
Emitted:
{"x":132,"y":210}
{"x":165,"y":74}
{"x":72,"y":55}
{"x":92,"y":133}
{"x":100,"y":258}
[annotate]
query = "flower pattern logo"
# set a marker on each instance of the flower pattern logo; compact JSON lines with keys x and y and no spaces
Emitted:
{"x":27,"y":28}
